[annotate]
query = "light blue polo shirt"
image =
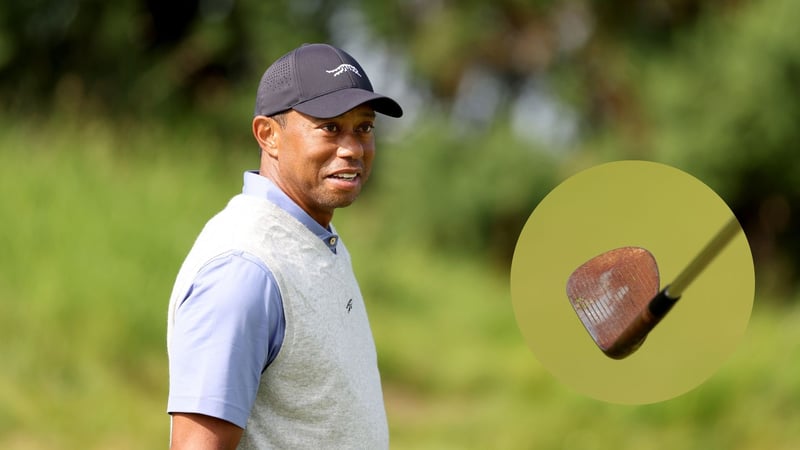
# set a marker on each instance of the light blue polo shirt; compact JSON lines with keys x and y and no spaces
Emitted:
{"x":230,"y":325}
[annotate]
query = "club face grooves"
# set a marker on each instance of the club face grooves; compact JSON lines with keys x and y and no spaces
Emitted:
{"x":610,"y":294}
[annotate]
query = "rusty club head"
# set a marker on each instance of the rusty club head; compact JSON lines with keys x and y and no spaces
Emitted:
{"x":611,"y":293}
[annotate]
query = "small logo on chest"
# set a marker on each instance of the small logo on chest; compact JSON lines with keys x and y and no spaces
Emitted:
{"x":349,"y":305}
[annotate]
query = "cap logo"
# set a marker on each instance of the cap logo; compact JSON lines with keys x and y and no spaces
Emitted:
{"x":342,"y":69}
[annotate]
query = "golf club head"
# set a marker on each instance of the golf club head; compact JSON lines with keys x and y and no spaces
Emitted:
{"x":611,"y":294}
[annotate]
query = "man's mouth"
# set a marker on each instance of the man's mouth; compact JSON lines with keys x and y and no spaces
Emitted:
{"x":348,"y":176}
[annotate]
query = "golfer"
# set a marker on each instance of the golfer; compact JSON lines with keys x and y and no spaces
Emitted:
{"x":268,"y":338}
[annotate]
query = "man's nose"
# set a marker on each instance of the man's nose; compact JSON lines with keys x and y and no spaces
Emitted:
{"x":350,"y":146}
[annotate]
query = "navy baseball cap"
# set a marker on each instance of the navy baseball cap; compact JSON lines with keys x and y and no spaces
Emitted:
{"x":319,"y":80}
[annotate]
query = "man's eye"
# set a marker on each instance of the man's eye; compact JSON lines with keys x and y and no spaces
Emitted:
{"x":330,"y":127}
{"x":366,"y":128}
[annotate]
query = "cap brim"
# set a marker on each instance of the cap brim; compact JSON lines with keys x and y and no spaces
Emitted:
{"x":339,"y":102}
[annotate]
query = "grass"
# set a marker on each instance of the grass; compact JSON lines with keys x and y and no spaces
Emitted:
{"x":96,"y":220}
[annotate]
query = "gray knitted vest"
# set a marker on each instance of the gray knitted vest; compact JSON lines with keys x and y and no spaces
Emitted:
{"x":323,"y":389}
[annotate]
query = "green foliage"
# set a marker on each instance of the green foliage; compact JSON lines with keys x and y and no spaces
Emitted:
{"x":722,"y":102}
{"x":134,"y":57}
{"x":92,"y":237}
{"x":91,"y":241}
{"x":723,"y":107}
{"x":97,"y":215}
{"x":465,"y":194}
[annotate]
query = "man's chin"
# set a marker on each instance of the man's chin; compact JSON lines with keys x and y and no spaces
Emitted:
{"x":345,"y":203}
{"x":337,"y":202}
{"x":343,"y":199}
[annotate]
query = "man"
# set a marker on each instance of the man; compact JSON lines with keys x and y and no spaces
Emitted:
{"x":268,"y":339}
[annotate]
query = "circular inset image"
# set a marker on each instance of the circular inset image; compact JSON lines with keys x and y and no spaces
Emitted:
{"x":632,"y":282}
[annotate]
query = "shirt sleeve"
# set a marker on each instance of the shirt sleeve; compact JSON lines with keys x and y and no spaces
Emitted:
{"x":228,"y":328}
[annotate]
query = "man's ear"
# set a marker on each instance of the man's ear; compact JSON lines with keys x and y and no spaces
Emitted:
{"x":266,"y":131}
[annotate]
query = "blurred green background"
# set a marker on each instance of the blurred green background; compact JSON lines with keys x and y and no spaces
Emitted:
{"x":125,"y":125}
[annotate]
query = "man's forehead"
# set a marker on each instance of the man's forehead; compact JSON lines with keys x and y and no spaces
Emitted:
{"x":365,"y":110}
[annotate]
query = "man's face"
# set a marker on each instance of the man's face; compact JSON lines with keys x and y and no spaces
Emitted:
{"x":323,"y":163}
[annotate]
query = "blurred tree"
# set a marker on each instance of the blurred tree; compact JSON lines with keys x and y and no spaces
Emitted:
{"x":466,"y":196}
{"x":724,"y":106}
{"x":524,"y":83}
{"x":143,"y":56}
{"x":149,"y":56}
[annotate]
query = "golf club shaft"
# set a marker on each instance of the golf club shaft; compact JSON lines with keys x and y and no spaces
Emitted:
{"x":709,"y":252}
{"x":636,"y":332}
